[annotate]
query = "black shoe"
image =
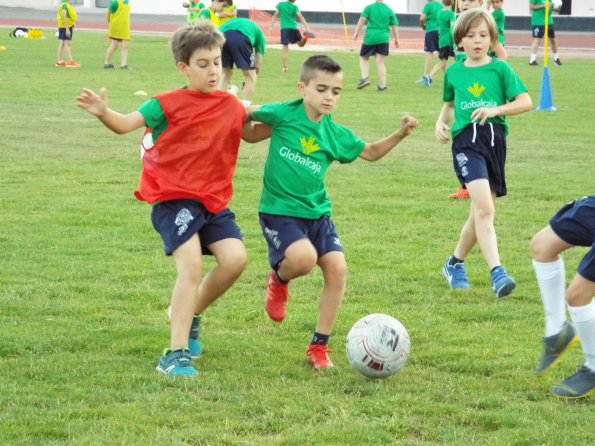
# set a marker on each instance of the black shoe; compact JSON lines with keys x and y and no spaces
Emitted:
{"x":557,"y":62}
{"x":533,"y":63}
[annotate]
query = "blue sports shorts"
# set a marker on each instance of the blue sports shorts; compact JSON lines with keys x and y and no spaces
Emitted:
{"x":445,"y":52}
{"x":538,"y":32}
{"x":431,"y":42}
{"x":371,"y":50}
{"x":281,"y":231}
{"x":178,"y":220}
{"x":575,"y":224}
{"x":237,"y":50}
{"x":479,"y":151}
{"x":290,"y":35}
{"x":62,"y":33}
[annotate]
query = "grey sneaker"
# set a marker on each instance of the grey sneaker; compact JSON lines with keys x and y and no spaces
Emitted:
{"x":108,"y":66}
{"x":555,"y":347}
{"x":381,"y":88}
{"x":579,"y":385}
{"x":363,"y":82}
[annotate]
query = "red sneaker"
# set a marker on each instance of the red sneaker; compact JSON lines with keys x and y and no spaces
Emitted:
{"x":60,"y":63}
{"x":72,"y":64}
{"x":460,"y":193}
{"x":318,"y":355}
{"x":276,"y":298}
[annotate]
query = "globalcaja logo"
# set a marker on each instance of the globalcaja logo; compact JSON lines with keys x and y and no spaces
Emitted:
{"x":308,"y":146}
{"x":476,"y":90}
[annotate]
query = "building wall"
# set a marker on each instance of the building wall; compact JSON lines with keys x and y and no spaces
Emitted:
{"x":580,"y":8}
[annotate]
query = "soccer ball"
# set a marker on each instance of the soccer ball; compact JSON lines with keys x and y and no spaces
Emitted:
{"x":556,"y":4}
{"x":377,"y":346}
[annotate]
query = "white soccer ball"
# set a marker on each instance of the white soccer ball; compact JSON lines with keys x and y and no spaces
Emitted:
{"x":377,"y":346}
{"x":19,"y":33}
{"x":556,"y":4}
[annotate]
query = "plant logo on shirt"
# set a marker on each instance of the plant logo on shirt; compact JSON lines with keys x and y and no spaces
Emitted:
{"x":476,"y":90}
{"x":308,"y":146}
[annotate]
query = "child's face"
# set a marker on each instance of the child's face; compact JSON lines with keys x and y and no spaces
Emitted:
{"x":321,"y":94}
{"x":464,"y":5}
{"x":203,"y":70}
{"x":477,"y":41}
{"x":497,"y":4}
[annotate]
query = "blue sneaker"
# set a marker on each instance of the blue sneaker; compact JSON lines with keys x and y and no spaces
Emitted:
{"x":502,"y":283}
{"x":427,"y":80}
{"x":176,"y":363}
{"x":579,"y":385}
{"x":555,"y":347}
{"x":194,"y":344}
{"x":456,"y":275}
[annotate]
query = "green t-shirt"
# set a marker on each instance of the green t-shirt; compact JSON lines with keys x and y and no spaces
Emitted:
{"x":248,"y":28}
{"x":154,"y":117}
{"x":489,"y":85}
{"x":538,"y":15}
{"x":380,"y":19}
{"x":113,"y":6}
{"x":431,"y":10}
{"x":500,"y":19}
{"x":193,"y":15}
{"x":445,"y":22}
{"x":287,"y":11}
{"x":300,"y":152}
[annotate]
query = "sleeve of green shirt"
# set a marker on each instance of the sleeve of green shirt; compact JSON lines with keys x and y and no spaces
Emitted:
{"x":513,"y":84}
{"x":269,"y":113}
{"x":152,"y":113}
{"x":113,"y":6}
{"x":349,"y":146}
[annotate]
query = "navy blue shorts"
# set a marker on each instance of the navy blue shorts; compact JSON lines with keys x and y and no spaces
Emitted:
{"x":539,"y":32}
{"x":445,"y":52}
{"x":178,"y":220}
{"x":575,"y":224}
{"x":371,"y":50}
{"x":290,"y":35}
{"x":237,"y":50}
{"x":431,"y":41}
{"x":62,"y":33}
{"x":281,"y":231}
{"x":479,"y":151}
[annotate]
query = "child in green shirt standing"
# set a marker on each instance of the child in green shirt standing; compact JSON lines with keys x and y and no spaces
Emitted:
{"x":478,"y":93}
{"x":295,"y":210}
{"x":446,"y":20}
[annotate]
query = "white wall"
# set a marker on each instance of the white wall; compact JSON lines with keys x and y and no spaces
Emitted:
{"x":584,"y":8}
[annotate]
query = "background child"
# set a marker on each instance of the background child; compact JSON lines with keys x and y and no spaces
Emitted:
{"x":428,"y":20}
{"x":500,"y":19}
{"x":212,"y":12}
{"x":287,"y":11}
{"x":229,"y":11}
{"x":66,"y":19}
{"x":446,"y":20}
{"x":573,"y":225}
{"x":244,"y":47}
{"x":379,"y":20}
{"x":118,"y":17}
{"x":194,"y":9}
{"x":294,"y":206}
{"x":189,"y":154}
{"x":479,"y":93}
{"x":537,"y":8}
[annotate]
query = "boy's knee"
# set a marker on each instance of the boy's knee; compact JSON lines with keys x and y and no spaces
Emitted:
{"x":573,"y":297}
{"x":235,"y":263}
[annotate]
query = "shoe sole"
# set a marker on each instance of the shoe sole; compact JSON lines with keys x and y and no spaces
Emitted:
{"x":269,"y":314}
{"x":574,"y":342}
{"x":359,"y":87}
{"x":578,"y":397}
{"x":164,"y":372}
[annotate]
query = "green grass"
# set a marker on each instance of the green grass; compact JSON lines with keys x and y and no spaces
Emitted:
{"x":84,"y":283}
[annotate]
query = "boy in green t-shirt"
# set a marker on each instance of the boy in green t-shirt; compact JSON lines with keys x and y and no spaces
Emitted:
{"x":446,"y":20}
{"x":537,"y":8}
{"x":194,"y":9}
{"x":479,"y":92}
{"x":294,"y":208}
{"x":287,"y":11}
{"x":66,"y":18}
{"x":379,"y":20}
{"x":428,"y":20}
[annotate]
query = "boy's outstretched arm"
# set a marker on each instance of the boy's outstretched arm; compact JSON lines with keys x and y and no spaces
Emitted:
{"x":256,"y":131}
{"x":376,"y":150}
{"x":522,"y":103}
{"x":96,"y":104}
{"x":444,"y":119}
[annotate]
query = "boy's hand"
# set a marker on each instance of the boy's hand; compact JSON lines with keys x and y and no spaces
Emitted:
{"x":483,"y":113}
{"x":408,"y":124}
{"x":94,"y":103}
{"x":442,"y":132}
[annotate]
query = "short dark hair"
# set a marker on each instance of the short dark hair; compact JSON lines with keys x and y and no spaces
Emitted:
{"x":471,"y":18}
{"x":188,"y":39}
{"x":318,"y":63}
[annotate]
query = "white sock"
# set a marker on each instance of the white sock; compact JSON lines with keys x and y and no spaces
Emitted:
{"x":584,"y":322}
{"x":246,"y":102}
{"x":555,"y":56}
{"x":551,"y":278}
{"x":533,"y":58}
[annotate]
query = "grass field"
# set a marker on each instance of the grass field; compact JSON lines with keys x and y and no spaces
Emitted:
{"x":85,"y":286}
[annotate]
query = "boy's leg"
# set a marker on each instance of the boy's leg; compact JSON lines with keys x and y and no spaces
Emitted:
{"x":249,"y":84}
{"x":364,"y":68}
{"x":428,"y":62}
{"x":534,"y":48}
{"x":300,"y":258}
{"x":482,"y":201}
{"x":124,"y":53}
{"x":381,"y":69}
{"x":111,"y":49}
{"x":226,"y":78}
{"x":231,"y":258}
{"x":188,"y":259}
{"x":284,"y":57}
